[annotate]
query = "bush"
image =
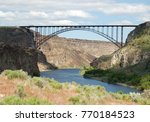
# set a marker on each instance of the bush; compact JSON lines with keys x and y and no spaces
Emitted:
{"x":146,"y":94}
{"x":20,"y":91}
{"x":56,"y":85}
{"x":140,"y":98}
{"x":145,"y":82}
{"x":13,"y":100}
{"x":38,"y":81}
{"x":75,"y":100}
{"x":19,"y":74}
{"x":112,"y":76}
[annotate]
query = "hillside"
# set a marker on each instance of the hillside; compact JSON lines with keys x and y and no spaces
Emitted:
{"x":64,"y":52}
{"x":17,"y":88}
{"x":135,"y":53}
{"x":130,"y":64}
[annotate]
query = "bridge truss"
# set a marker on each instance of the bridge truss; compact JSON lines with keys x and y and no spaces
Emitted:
{"x":113,"y":33}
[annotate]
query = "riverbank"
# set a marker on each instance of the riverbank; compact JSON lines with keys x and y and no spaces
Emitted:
{"x":120,"y":77}
{"x":121,"y":84}
{"x":16,"y":87}
{"x":69,"y":75}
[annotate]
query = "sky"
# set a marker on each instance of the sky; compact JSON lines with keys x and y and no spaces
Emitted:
{"x":73,"y":12}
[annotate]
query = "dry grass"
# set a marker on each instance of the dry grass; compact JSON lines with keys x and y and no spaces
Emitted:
{"x":53,"y":92}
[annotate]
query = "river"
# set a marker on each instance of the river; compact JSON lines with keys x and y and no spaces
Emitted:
{"x":69,"y":75}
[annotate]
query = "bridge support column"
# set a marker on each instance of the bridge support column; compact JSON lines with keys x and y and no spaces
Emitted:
{"x":121,"y":36}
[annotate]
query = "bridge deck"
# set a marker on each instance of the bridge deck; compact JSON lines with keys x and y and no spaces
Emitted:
{"x":30,"y":26}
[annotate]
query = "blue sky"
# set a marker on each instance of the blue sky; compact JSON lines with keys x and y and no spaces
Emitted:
{"x":64,"y":12}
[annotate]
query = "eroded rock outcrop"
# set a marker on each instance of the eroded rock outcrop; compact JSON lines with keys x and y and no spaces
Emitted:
{"x":43,"y":63}
{"x":136,"y":52}
{"x":17,"y":50}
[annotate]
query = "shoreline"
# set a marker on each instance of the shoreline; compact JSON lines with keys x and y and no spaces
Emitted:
{"x":96,"y":78}
{"x":121,"y":84}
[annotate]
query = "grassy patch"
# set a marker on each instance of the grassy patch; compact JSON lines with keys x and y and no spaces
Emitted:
{"x":38,"y":81}
{"x":145,"y":82}
{"x":20,"y":91}
{"x":75,"y":100}
{"x":142,"y":42}
{"x":141,"y":82}
{"x":89,"y":95}
{"x":15,"y":74}
{"x":14,"y":100}
{"x":55,"y":85}
{"x":112,"y":76}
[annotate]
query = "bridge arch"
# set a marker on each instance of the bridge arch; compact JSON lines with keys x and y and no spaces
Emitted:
{"x":113,"y":33}
{"x":109,"y":38}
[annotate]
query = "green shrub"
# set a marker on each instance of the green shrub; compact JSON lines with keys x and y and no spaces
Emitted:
{"x":20,"y":91}
{"x":38,"y":81}
{"x":140,"y":98}
{"x":15,"y":74}
{"x":146,"y":94}
{"x":113,"y":76}
{"x":75,"y":100}
{"x":55,"y":85}
{"x":145,"y":82}
{"x":13,"y":100}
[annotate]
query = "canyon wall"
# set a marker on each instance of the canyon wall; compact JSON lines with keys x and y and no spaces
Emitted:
{"x":17,"y":50}
{"x":77,"y":53}
{"x":136,"y":53}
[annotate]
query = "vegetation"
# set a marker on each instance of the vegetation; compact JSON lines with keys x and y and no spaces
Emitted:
{"x":36,"y":90}
{"x":20,"y":91}
{"x":15,"y":74}
{"x":38,"y":81}
{"x":125,"y":67}
{"x":142,"y":42}
{"x":14,"y":100}
{"x":145,"y":82}
{"x":113,"y":76}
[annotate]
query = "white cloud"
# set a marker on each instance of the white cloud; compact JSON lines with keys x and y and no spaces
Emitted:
{"x":145,"y":17}
{"x":38,"y":14}
{"x":72,"y":13}
{"x":122,"y":22}
{"x":7,"y":15}
{"x":62,"y":22}
{"x":69,"y":11}
{"x":123,"y":8}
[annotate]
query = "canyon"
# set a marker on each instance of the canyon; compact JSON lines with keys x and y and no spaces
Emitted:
{"x":76,"y":53}
{"x":18,"y":51}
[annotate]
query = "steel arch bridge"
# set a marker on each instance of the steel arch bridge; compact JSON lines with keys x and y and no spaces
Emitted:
{"x":113,"y":33}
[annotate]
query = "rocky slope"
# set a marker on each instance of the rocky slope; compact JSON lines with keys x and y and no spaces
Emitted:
{"x":17,"y":50}
{"x":63,"y":52}
{"x":43,"y":64}
{"x":136,"y":53}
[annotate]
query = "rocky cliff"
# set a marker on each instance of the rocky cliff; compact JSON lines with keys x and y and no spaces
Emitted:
{"x":136,"y":53}
{"x":43,"y":63}
{"x":65,"y":52}
{"x":17,"y":50}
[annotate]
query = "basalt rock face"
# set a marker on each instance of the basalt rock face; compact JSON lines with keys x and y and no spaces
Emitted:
{"x":14,"y":36}
{"x":43,"y":64}
{"x":17,"y":50}
{"x":142,"y":29}
{"x":135,"y":54}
